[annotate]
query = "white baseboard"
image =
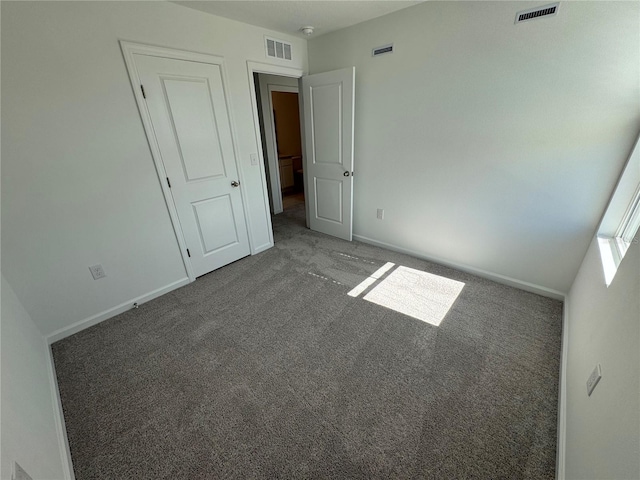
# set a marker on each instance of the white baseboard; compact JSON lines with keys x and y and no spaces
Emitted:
{"x":562,"y":396}
{"x":112,"y":312}
{"x":496,"y":277}
{"x":61,"y":429}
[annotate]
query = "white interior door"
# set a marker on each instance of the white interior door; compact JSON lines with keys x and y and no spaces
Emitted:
{"x":190,"y":122}
{"x":328,"y":124}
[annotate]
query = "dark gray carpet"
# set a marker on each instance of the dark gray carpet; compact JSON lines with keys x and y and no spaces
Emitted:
{"x":266,"y":368}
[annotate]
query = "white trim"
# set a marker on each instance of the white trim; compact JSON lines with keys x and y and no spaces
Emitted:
{"x":236,"y":149}
{"x":58,"y":415}
{"x":631,"y":218}
{"x":129,"y":48}
{"x":622,"y":216}
{"x":111,"y":312}
{"x":258,"y":67}
{"x":268,"y":68}
{"x":303,"y":135}
{"x":622,"y":194}
{"x":562,"y":395}
{"x":496,"y":277}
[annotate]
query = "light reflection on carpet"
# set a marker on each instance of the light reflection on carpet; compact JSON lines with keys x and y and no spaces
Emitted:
{"x":418,"y":294}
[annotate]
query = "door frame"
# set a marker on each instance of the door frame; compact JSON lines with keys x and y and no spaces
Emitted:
{"x":129,"y":49}
{"x":269,"y":69}
{"x":272,"y":149}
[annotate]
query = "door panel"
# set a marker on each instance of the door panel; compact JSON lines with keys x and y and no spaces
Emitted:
{"x":216,"y":224}
{"x":192,"y":118}
{"x":328,"y":100}
{"x":328,"y":199}
{"x":188,"y":111}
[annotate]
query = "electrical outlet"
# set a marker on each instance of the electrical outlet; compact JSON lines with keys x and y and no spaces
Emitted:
{"x":593,"y":379}
{"x":254,"y":159}
{"x":380,"y":214}
{"x":19,"y":473}
{"x":97,"y":272}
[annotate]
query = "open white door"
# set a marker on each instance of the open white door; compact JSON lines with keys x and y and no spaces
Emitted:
{"x":328,"y":124}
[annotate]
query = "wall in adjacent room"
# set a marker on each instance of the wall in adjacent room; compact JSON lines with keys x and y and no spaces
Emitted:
{"x":491,"y":145}
{"x":29,"y":432}
{"x":603,"y":326}
{"x":79,"y":186}
{"x":287,"y":113}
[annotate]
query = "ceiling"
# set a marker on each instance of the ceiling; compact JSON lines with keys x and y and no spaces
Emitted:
{"x":289,"y":16}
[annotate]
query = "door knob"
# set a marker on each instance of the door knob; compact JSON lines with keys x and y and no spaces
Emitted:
{"x":235,"y":184}
{"x":346,"y":174}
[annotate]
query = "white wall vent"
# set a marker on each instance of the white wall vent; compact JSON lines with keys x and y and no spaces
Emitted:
{"x":382,"y":50}
{"x":277,"y":48}
{"x":533,"y":13}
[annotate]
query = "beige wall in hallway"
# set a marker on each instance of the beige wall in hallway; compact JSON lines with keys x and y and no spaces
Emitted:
{"x":285,"y":106}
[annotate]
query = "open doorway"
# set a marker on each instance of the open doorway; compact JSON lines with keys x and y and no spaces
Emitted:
{"x":279,"y":115}
{"x":286,"y":123}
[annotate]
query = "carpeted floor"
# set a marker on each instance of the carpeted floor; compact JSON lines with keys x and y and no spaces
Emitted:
{"x":267,"y":368}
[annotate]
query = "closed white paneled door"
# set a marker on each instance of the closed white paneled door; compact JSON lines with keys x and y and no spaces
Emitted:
{"x":188,"y":112}
{"x":328,"y":117}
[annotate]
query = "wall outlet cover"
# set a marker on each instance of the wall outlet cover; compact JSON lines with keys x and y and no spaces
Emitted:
{"x":380,"y":214}
{"x":254,"y":159}
{"x":593,"y":379}
{"x":97,"y":271}
{"x":19,"y":473}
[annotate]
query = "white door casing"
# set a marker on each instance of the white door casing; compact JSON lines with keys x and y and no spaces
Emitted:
{"x":269,"y":69}
{"x":328,"y":165}
{"x":190,"y":124}
{"x":268,"y":85}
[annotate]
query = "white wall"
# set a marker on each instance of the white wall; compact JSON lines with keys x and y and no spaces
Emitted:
{"x":603,"y":326}
{"x":29,"y":434}
{"x":489,"y":144}
{"x":79,"y":185}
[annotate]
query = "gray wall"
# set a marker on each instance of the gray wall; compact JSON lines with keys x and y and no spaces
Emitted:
{"x":603,"y":326}
{"x":29,"y":429}
{"x":79,"y":185}
{"x":491,"y":145}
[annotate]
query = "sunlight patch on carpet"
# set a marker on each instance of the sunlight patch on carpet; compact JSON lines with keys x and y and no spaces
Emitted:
{"x":367,"y":282}
{"x":420,"y":295}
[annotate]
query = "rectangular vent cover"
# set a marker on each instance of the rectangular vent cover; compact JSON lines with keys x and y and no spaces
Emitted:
{"x":382,"y":50}
{"x":278,"y":48}
{"x":538,"y":12}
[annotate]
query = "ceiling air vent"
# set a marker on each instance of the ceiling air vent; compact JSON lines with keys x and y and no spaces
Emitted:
{"x":278,"y":48}
{"x":382,"y":50}
{"x":538,"y":12}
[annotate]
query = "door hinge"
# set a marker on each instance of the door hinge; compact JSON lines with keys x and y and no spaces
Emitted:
{"x":168,"y":182}
{"x":144,"y":95}
{"x":188,"y":253}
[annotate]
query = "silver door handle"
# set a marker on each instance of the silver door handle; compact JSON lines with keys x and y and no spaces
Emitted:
{"x":235,"y":184}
